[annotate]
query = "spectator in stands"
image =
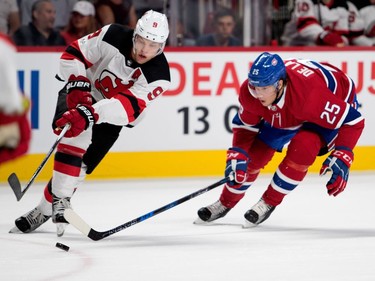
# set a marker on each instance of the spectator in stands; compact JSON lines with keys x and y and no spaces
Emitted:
{"x":64,"y":8}
{"x":331,"y":23}
{"x":40,"y":31}
{"x":224,"y":24}
{"x":82,"y":22}
{"x":142,"y":6}
{"x":367,"y":12}
{"x":116,"y":11}
{"x":9,"y":17}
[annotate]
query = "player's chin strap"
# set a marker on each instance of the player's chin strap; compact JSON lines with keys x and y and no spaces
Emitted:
{"x":280,"y":92}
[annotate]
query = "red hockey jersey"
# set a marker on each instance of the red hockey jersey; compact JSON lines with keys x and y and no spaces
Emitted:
{"x":315,"y":93}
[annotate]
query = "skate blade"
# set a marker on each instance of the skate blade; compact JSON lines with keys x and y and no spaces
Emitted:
{"x":15,"y":230}
{"x":199,"y":221}
{"x":248,"y":224}
{"x":60,"y":229}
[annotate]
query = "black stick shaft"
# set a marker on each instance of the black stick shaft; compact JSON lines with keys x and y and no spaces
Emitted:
{"x":13,"y":180}
{"x":97,"y":235}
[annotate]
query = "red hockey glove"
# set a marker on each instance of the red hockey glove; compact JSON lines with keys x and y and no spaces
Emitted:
{"x":78,"y":89}
{"x":80,"y":119}
{"x":237,"y":161}
{"x":328,"y":38}
{"x":338,"y":162}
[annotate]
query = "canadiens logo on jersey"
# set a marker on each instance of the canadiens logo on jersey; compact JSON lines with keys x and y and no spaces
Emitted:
{"x":155,"y":24}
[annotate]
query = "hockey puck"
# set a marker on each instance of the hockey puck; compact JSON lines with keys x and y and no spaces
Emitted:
{"x":62,"y":247}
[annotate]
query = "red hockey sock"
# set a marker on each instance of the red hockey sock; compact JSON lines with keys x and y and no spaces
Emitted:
{"x":230,"y":199}
{"x":272,"y":197}
{"x":292,"y":175}
{"x":48,"y":193}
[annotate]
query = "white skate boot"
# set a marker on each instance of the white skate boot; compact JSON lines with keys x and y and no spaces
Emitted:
{"x":29,"y":221}
{"x":258,"y":213}
{"x":212,"y":212}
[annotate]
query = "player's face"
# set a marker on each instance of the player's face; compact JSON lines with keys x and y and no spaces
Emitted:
{"x":266,"y":95}
{"x":144,"y":49}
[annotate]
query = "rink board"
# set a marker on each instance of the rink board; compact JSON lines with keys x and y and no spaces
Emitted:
{"x":187,"y":131}
{"x":165,"y":164}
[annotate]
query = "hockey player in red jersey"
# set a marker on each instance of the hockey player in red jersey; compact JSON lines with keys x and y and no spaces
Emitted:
{"x":312,"y":108}
{"x":112,"y":76}
{"x":15,"y":131}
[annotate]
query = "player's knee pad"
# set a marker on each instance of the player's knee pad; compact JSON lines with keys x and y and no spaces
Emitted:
{"x":304,"y":148}
{"x":68,"y":160}
{"x":260,"y":154}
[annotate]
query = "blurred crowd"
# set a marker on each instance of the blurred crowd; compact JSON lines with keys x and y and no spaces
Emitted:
{"x":302,"y":22}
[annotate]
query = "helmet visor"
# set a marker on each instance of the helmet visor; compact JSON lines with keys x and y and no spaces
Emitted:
{"x":265,"y":91}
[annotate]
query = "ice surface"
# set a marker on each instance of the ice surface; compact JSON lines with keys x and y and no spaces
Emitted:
{"x":311,"y":236}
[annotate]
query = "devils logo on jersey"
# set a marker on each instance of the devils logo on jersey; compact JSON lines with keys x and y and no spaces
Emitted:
{"x":109,"y":84}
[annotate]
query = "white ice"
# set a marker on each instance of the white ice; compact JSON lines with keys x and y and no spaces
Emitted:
{"x":310,"y":236}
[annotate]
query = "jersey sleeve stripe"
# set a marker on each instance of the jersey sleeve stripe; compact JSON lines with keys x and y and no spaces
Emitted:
{"x":132,"y":105}
{"x":328,"y":76}
{"x":73,"y":53}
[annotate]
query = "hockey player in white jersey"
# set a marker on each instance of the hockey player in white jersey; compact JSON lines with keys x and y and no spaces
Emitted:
{"x":326,"y":23}
{"x":366,"y":10}
{"x":15,"y":131}
{"x":112,"y":76}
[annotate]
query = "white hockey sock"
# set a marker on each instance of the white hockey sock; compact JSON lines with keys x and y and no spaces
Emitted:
{"x":45,"y":207}
{"x":64,"y":185}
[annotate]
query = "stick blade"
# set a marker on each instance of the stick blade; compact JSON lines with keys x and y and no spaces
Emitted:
{"x":15,"y":184}
{"x":75,"y":220}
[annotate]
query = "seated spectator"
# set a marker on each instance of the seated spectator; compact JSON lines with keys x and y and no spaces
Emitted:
{"x":40,"y":31}
{"x":184,"y":38}
{"x":367,"y":12}
{"x":330,"y":23}
{"x":9,"y":17}
{"x":116,"y":11}
{"x":224,"y":23}
{"x":82,"y":22}
{"x":142,"y":6}
{"x":64,"y":8}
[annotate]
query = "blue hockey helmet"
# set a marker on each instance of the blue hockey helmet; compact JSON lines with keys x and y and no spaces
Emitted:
{"x":267,"y":70}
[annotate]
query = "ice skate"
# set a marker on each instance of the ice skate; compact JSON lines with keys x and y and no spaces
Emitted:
{"x":212,"y":212}
{"x":58,"y":207}
{"x":258,"y":213}
{"x":29,"y":221}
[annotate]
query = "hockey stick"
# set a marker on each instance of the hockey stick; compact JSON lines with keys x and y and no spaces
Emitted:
{"x":15,"y":183}
{"x":74,"y":219}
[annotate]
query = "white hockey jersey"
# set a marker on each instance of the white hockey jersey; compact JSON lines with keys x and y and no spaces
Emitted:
{"x":309,"y":19}
{"x":367,"y":13}
{"x":10,"y":97}
{"x":121,"y":87}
